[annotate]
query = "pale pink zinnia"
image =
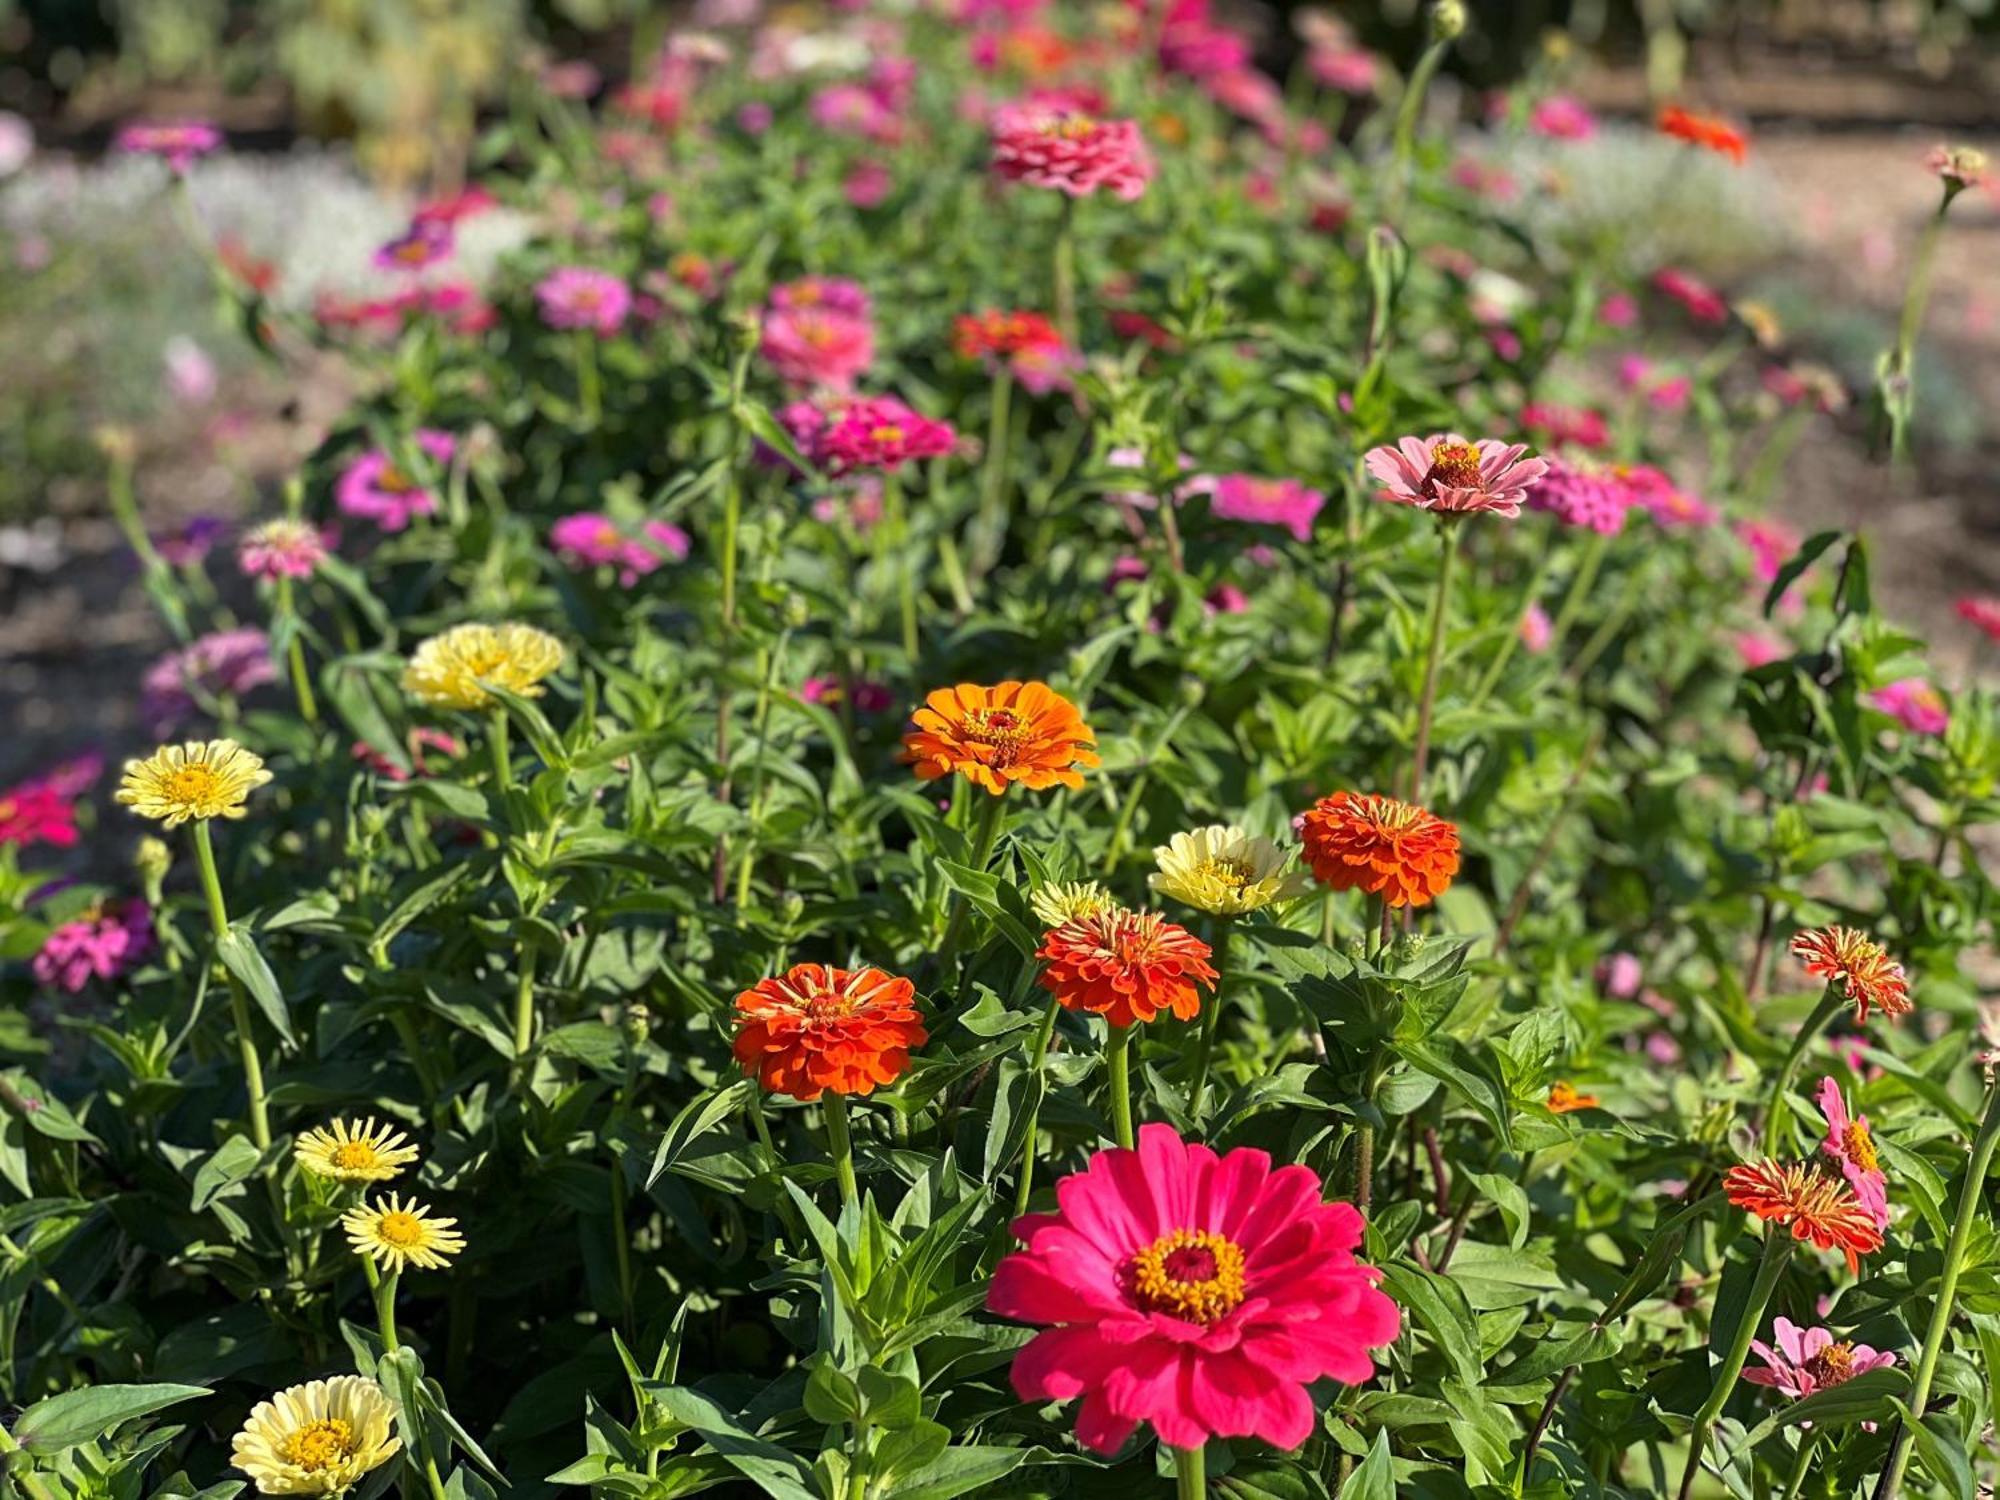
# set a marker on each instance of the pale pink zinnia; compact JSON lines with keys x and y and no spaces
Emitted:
{"x":1849,"y":1143}
{"x":1811,"y":1359}
{"x":1563,"y":117}
{"x":1445,"y":472}
{"x":583,"y":297}
{"x":179,"y":144}
{"x":589,"y":540}
{"x":1046,"y":145}
{"x":283,"y":548}
{"x":221,"y":664}
{"x":1267,"y":502}
{"x":1200,"y":1294}
{"x":1914,"y":703}
{"x":374,"y":488}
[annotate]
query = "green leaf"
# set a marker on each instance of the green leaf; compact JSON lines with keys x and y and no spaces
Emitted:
{"x":781,"y":1475}
{"x":958,"y":1471}
{"x":1865,"y":1398}
{"x":238,"y":951}
{"x":1440,"y":1307}
{"x":79,"y":1416}
{"x":234,"y":1160}
{"x":1374,"y":1478}
{"x":696,"y":1118}
{"x":1939,"y":1450}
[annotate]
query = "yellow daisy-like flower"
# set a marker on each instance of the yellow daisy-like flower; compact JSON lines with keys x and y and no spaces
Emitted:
{"x":347,"y":1152}
{"x":319,"y":1438}
{"x":1065,"y":901}
{"x":1222,"y":869}
{"x":195,"y":780}
{"x":451,"y":670}
{"x":394,"y":1233}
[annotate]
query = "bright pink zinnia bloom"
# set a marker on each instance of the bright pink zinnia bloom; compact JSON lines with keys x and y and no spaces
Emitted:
{"x":583,"y":297}
{"x":1619,"y":310}
{"x":1585,"y":497}
{"x":1267,"y":502}
{"x":1811,"y":1359}
{"x":1197,"y":1293}
{"x":179,"y":144}
{"x":879,"y":432}
{"x":375,"y":489}
{"x":817,"y":341}
{"x":1047,"y":145}
{"x":1669,"y":505}
{"x":1563,"y":117}
{"x":1914,"y":703}
{"x":38,"y":812}
{"x":1700,"y":300}
{"x":1448,"y":473}
{"x":589,"y":540}
{"x":869,"y":697}
{"x":1984,"y":613}
{"x":1848,"y":1142}
{"x":109,"y":941}
{"x":1578,"y":425}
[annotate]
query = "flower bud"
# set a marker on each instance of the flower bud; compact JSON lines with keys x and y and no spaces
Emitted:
{"x":1448,"y":20}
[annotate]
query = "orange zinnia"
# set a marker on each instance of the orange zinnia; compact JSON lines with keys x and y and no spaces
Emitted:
{"x":1126,"y":966}
{"x":820,"y":1028}
{"x":1860,"y":965}
{"x":1391,"y":849}
{"x":1813,"y":1204}
{"x":1018,"y":731}
{"x":1710,"y":132}
{"x":1564,"y":1099}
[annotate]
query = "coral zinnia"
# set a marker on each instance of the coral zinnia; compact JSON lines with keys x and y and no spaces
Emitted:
{"x":194,"y":780}
{"x":317,"y":1439}
{"x":1126,"y":966}
{"x":1224,"y":870}
{"x":1017,"y":731}
{"x":1710,"y":132}
{"x":450,"y":670}
{"x":1860,"y":965}
{"x":1445,"y":472}
{"x":1815,"y":1205}
{"x":1849,"y":1142}
{"x":1391,"y":849}
{"x":818,"y":1028}
{"x":1046,"y":145}
{"x":1197,"y":1293}
{"x":1811,"y":1359}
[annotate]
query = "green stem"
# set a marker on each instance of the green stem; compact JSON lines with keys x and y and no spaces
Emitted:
{"x":589,"y":391}
{"x":1801,"y":1464}
{"x":432,"y":1478}
{"x":1579,"y":592}
{"x":1065,"y":273}
{"x":1408,"y":113}
{"x":1118,"y":1066}
{"x":1211,"y":1019}
{"x":1778,"y":1113}
{"x":1030,"y":1138}
{"x":302,"y":688}
{"x":503,"y":759}
{"x":1190,"y":1473}
{"x":840,"y":1145}
{"x":1433,"y":653}
{"x":993,"y":478}
{"x":1954,"y":1262}
{"x":897,"y":516}
{"x":239,"y":1003}
{"x":991,"y":812}
{"x":621,"y":1244}
{"x":1512,"y":643}
{"x":524,"y":1004}
{"x":382,"y":1291}
{"x":30,"y":1483}
{"x":1777,"y":1249}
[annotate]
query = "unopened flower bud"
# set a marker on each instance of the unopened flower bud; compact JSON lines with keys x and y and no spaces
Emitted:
{"x":1448,"y":20}
{"x":152,"y":860}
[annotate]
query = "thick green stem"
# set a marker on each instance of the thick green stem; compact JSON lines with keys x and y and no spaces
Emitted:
{"x":840,"y":1145}
{"x":31,"y":1484}
{"x":503,"y":759}
{"x":524,"y":1004}
{"x":1777,"y":1250}
{"x":295,"y":653}
{"x":1433,"y":654}
{"x":1778,"y":1113}
{"x":1211,"y":1020}
{"x":1118,"y":1073}
{"x":239,"y":1003}
{"x":1954,"y":1262}
{"x":382,"y":1290}
{"x":1801,"y":1464}
{"x":1190,"y":1473}
{"x":1030,"y":1138}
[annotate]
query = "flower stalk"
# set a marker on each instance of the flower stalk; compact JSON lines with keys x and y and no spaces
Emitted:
{"x":1211,"y":1020}
{"x":1433,"y":653}
{"x":239,"y":1003}
{"x":1030,"y":1137}
{"x":1777,"y":1251}
{"x":1191,"y":1473}
{"x":840,"y":1146}
{"x":1778,"y":1114}
{"x":1118,"y":1074}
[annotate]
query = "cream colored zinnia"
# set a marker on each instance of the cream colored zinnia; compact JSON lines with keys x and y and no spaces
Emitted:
{"x":194,"y":780}
{"x":1064,"y":901}
{"x":1224,"y":870}
{"x":319,"y":1438}
{"x":394,"y":1234}
{"x":350,"y":1152}
{"x":452,"y":670}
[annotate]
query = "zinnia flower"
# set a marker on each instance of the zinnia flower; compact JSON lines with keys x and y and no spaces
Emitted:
{"x":194,"y":780}
{"x":1849,"y":1143}
{"x":1811,"y":1359}
{"x":106,"y":943}
{"x":1126,"y":966}
{"x":581,"y":297}
{"x":283,"y":548}
{"x":221,"y":664}
{"x":1022,"y":732}
{"x":373,"y":488}
{"x":1563,"y":117}
{"x":1913,"y":703}
{"x":1445,"y":472}
{"x":317,"y":1439}
{"x":1958,"y":167}
{"x":1054,"y":146}
{"x":394,"y":1233}
{"x":1860,"y":965}
{"x":1025,"y":344}
{"x":1536,"y":628}
{"x":351,"y":1152}
{"x":1267,"y":502}
{"x":37,"y":812}
{"x":590,"y":540}
{"x":1564,"y":1099}
{"x":1710,"y":132}
{"x":1391,"y":849}
{"x":421,"y":246}
{"x":1697,"y":298}
{"x":879,"y":432}
{"x":817,"y":332}
{"x":1223,"y":870}
{"x":1197,"y":1293}
{"x":1066,"y":901}
{"x":1984,"y":613}
{"x":179,"y":144}
{"x":818,"y":1028}
{"x":1814,"y":1205}
{"x":451,"y":670}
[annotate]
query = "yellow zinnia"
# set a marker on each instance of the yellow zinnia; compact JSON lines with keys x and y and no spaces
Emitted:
{"x":452,"y":670}
{"x":1060,"y":901}
{"x":394,"y":1233}
{"x":195,"y":780}
{"x":319,"y":1438}
{"x":1224,"y":870}
{"x":348,"y":1152}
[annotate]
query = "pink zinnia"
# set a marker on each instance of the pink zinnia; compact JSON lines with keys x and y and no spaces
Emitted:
{"x":880,"y":432}
{"x":1346,"y":70}
{"x":1984,"y":613}
{"x":867,"y":184}
{"x":38,"y":812}
{"x":816,"y":343}
{"x":1052,"y":146}
{"x":868,"y":697}
{"x":1811,"y":1359}
{"x":1267,"y":502}
{"x":421,"y":246}
{"x":1759,"y":650}
{"x":107,"y":942}
{"x":589,"y":540}
{"x":1771,"y":546}
{"x":1669,"y":505}
{"x":1621,"y":974}
{"x":178,"y":144}
{"x":1536,"y":628}
{"x":1578,"y":425}
{"x":1914,"y":703}
{"x":583,"y":297}
{"x":221,"y":664}
{"x":1585,"y":497}
{"x":419,"y":740}
{"x":1700,"y":300}
{"x":1197,"y":1293}
{"x":283,"y":548}
{"x":1445,"y":472}
{"x":1563,"y":117}
{"x":1848,"y":1142}
{"x":375,"y":489}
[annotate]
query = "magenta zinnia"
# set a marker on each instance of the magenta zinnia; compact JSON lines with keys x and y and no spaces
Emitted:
{"x":1445,"y":472}
{"x":1051,"y":146}
{"x":1198,"y":1293}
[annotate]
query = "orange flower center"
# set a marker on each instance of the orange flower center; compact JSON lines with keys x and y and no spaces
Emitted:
{"x":1831,"y":1365}
{"x":1861,"y":1147}
{"x":1189,"y":1274}
{"x":352,"y":1155}
{"x":827,"y":1005}
{"x":319,"y":1445}
{"x":1453,"y":464}
{"x":1000,"y":728}
{"x":404,"y":1231}
{"x":394,"y":481}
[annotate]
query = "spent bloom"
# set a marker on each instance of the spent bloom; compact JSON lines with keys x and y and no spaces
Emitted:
{"x":1126,"y":966}
{"x":1709,"y":132}
{"x":354,"y":1151}
{"x":1448,"y":473}
{"x":374,"y":488}
{"x":221,"y":664}
{"x":583,"y":297}
{"x":1022,"y":732}
{"x":590,"y":540}
{"x":1267,"y":502}
{"x":284,"y":548}
{"x":1052,"y":146}
{"x":1814,"y":1205}
{"x":105,"y":943}
{"x":1913,"y":703}
{"x":1807,"y":1360}
{"x":321,"y":1438}
{"x":451,"y":670}
{"x":1066,"y":901}
{"x":1851,"y":1146}
{"x":1859,"y":965}
{"x":1197,"y":1293}
{"x":179,"y":143}
{"x":1225,"y":871}
{"x":1395,"y":850}
{"x":395,"y":1233}
{"x":816,"y":1029}
{"x":199,"y":779}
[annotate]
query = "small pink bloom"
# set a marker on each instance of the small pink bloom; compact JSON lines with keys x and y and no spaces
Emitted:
{"x":221,"y":664}
{"x":455,"y":208}
{"x":1558,"y":425}
{"x":418,"y":248}
{"x":851,"y":109}
{"x":179,"y":145}
{"x":1619,"y":310}
{"x":869,"y":697}
{"x":190,"y":372}
{"x":1697,"y":298}
{"x":106,"y":943}
{"x":1225,"y":599}
{"x":1563,"y":117}
{"x":1669,"y":505}
{"x":581,"y":297}
{"x":867,"y":184}
{"x":1537,"y":630}
{"x":589,"y":540}
{"x":1771,"y":545}
{"x":1447,"y":473}
{"x":1345,"y":70}
{"x":1050,"y":146}
{"x":1914,"y":703}
{"x":1621,"y":975}
{"x":373,"y":488}
{"x":1849,"y":1143}
{"x":283,"y":548}
{"x":755,"y":117}
{"x":1267,"y":502}
{"x":1983,"y":613}
{"x":1757,"y":649}
{"x":1811,"y":1359}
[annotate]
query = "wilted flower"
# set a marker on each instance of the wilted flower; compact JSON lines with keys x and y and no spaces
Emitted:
{"x":179,"y":144}
{"x":1225,"y":870}
{"x":590,"y":540}
{"x":817,"y":1029}
{"x":1913,"y":703}
{"x":110,"y":940}
{"x":1395,"y":850}
{"x":1052,"y":146}
{"x":373,"y":488}
{"x":1022,"y":732}
{"x":394,"y":1234}
{"x":320,"y":1438}
{"x":221,"y":664}
{"x":1127,"y":966}
{"x":582,"y":297}
{"x":1710,"y":132}
{"x":1849,"y":1143}
{"x":354,"y":1151}
{"x":198,"y":780}
{"x":452,"y":669}
{"x":1859,"y":965}
{"x":283,"y":548}
{"x":1445,"y":472}
{"x":1808,"y":1360}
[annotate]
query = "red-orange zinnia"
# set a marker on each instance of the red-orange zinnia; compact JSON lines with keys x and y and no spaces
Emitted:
{"x":1391,"y":849}
{"x":1018,"y":731}
{"x":1815,"y":1205}
{"x":1710,"y":132}
{"x":1564,"y":1099}
{"x":820,"y":1028}
{"x":1126,"y":966}
{"x":1860,"y":965}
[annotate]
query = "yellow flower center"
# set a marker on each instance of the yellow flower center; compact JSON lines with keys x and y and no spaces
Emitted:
{"x":1861,"y":1147}
{"x":888,"y":432}
{"x":1831,"y":1365}
{"x":1189,"y":1274}
{"x":194,"y":785}
{"x":354,"y":1156}
{"x":405,"y":1231}
{"x":394,"y":481}
{"x":1453,"y":464}
{"x":1071,"y":127}
{"x":320,"y":1445}
{"x":1000,"y":728}
{"x":824,"y":1005}
{"x":1232,"y":873}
